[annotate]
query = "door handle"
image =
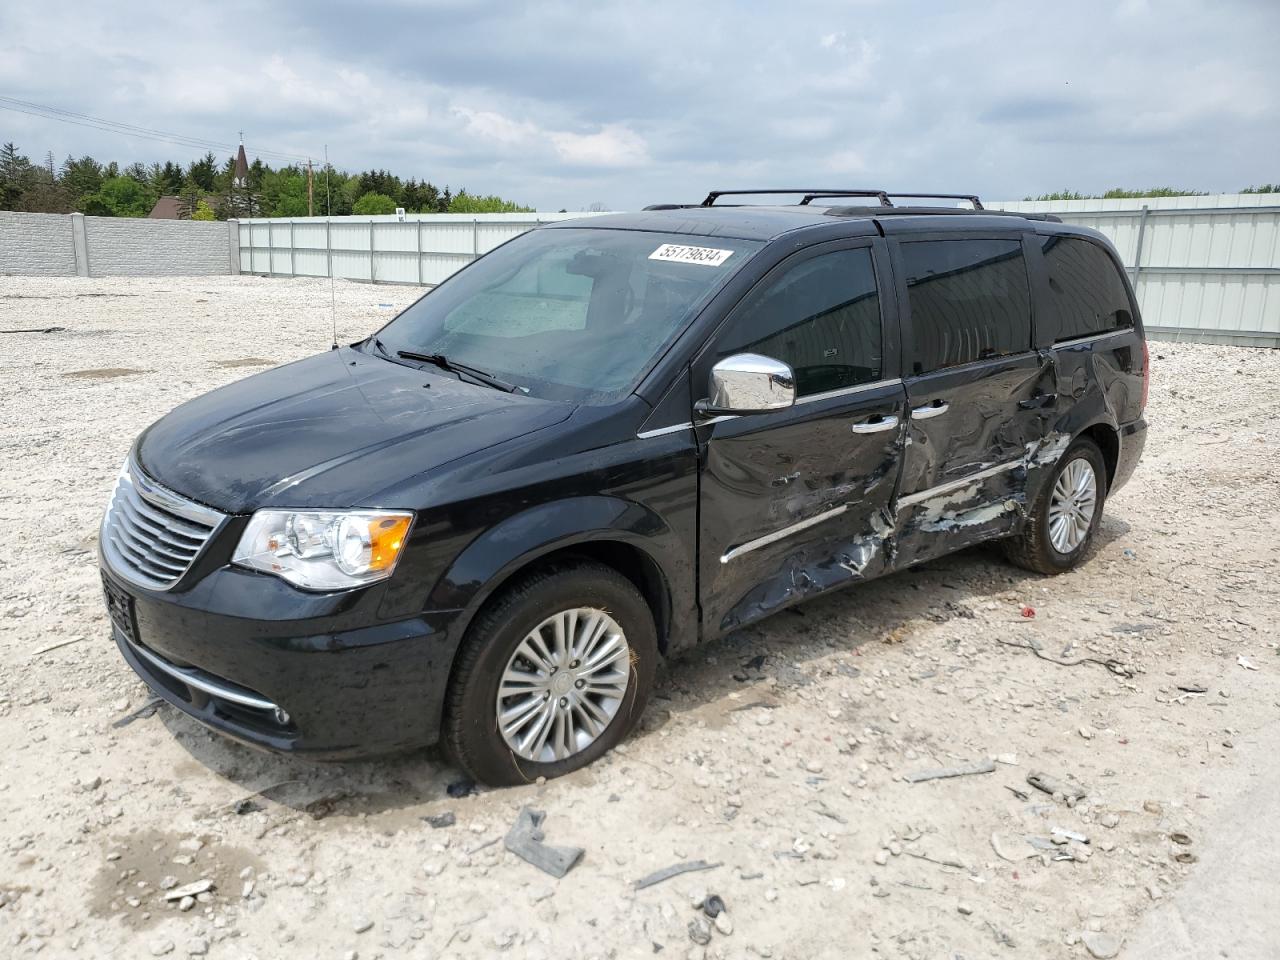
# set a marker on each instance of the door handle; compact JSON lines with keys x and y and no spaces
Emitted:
{"x":935,"y":409}
{"x":1038,"y":401}
{"x":878,"y":425}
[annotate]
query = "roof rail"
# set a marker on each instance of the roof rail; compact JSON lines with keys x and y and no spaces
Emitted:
{"x":809,"y":194}
{"x":972,"y":198}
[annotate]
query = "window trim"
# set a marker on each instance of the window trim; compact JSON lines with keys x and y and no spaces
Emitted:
{"x":890,"y":346}
{"x":904,"y":300}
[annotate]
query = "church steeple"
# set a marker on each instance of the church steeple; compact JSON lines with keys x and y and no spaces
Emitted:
{"x":240,"y":179}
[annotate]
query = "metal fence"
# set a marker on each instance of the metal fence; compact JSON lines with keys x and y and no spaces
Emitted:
{"x":420,"y":249}
{"x":1205,"y":269}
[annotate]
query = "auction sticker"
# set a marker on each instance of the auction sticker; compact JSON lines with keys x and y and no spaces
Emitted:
{"x":678,"y":253}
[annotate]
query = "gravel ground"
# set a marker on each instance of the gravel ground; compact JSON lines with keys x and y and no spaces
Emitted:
{"x":779,"y":754}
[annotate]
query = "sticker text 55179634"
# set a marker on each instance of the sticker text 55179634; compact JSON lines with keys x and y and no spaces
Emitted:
{"x":679,"y":253}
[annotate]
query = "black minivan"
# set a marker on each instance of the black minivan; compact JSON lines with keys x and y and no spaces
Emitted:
{"x":605,"y":442}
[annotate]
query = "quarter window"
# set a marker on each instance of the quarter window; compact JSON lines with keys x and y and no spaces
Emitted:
{"x":969,"y":299}
{"x":821,"y":316}
{"x":1085,"y":287}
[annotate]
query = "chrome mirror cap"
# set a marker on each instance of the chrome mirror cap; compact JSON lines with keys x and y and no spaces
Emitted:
{"x":749,"y":383}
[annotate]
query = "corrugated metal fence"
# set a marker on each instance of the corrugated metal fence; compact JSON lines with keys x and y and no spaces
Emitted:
{"x":421,"y":249}
{"x":1205,"y":269}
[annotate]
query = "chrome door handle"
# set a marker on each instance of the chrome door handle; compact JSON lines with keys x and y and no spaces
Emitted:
{"x":875,"y":426}
{"x":929,"y":410}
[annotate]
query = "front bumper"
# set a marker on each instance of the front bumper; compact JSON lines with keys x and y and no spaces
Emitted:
{"x":274,"y":667}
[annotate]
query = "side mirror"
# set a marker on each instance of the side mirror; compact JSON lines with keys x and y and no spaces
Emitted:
{"x":749,"y":383}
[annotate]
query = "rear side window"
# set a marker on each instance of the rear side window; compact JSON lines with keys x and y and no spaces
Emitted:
{"x":969,"y":300}
{"x":1085,"y":288}
{"x":821,"y":316}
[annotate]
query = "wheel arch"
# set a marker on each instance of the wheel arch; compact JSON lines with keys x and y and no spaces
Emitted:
{"x":622,"y":535}
{"x":1108,"y":440}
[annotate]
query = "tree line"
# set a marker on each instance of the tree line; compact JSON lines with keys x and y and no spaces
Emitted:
{"x":206,"y":189}
{"x":1123,"y":193}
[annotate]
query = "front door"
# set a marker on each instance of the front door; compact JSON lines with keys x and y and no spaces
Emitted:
{"x":978,"y":395}
{"x":796,"y":501}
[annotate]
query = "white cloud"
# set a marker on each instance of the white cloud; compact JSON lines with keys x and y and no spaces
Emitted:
{"x":661,"y":102}
{"x":613,"y":146}
{"x":495,"y":127}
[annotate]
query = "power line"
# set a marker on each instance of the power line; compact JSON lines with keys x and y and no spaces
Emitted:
{"x":133,"y":130}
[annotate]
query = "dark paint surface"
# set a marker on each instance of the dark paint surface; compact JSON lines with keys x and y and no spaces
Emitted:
{"x":328,"y":431}
{"x":500,"y":481}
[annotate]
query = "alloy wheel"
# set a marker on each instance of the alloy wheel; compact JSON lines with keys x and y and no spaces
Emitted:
{"x":563,"y":685}
{"x":1072,"y":505}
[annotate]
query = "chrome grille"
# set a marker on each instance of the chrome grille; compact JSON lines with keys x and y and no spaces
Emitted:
{"x":153,"y":535}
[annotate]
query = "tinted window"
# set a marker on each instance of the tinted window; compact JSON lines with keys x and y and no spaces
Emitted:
{"x":969,"y":300}
{"x":1085,"y":287}
{"x":821,"y":316}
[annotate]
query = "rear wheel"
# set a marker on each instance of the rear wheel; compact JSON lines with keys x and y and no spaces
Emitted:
{"x":1066,"y":514}
{"x":554,"y":672}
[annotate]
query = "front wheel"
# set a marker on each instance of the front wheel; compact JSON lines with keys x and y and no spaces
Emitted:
{"x":554,"y":672}
{"x":1066,"y":514}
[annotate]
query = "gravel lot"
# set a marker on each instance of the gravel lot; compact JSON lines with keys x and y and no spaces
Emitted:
{"x":778,"y":753}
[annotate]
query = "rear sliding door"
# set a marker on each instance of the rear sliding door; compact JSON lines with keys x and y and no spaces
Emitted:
{"x":978,"y":393}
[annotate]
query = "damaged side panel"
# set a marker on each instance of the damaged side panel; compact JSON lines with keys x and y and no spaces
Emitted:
{"x":796,"y":502}
{"x":974,"y":442}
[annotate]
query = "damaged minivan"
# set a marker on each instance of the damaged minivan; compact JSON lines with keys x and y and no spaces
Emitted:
{"x":605,"y":442}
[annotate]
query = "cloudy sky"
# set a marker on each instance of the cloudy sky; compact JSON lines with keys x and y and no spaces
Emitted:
{"x":568,"y":104}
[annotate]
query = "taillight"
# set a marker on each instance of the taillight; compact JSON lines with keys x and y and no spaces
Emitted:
{"x":1146,"y":374}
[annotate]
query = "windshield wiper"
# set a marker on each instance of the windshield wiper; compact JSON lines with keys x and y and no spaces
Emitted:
{"x":444,"y":363}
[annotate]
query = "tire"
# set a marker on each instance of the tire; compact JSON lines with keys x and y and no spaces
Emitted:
{"x":472,"y":734}
{"x":1034,"y":547}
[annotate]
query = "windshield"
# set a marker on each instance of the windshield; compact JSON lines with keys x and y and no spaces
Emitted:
{"x":574,"y":314}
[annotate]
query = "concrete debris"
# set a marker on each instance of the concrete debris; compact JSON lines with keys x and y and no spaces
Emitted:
{"x":1101,"y":946}
{"x":699,"y":931}
{"x":1012,"y":848}
{"x":189,"y":890}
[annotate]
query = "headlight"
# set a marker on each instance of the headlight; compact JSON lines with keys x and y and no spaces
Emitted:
{"x":324,"y":550}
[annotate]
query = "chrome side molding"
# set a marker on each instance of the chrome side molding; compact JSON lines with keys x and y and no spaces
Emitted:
{"x":777,"y":535}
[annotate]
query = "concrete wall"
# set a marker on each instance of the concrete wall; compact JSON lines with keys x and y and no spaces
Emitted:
{"x":70,"y":245}
{"x":36,"y":243}
{"x":124,"y":247}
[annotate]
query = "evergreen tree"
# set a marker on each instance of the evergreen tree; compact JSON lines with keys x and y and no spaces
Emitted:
{"x":15,"y":175}
{"x":82,"y":178}
{"x":202,"y":171}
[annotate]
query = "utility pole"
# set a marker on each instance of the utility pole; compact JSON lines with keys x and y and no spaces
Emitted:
{"x":310,"y":191}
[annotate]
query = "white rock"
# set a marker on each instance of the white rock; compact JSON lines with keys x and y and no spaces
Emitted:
{"x":197,"y":947}
{"x":160,"y":947}
{"x":1103,"y":946}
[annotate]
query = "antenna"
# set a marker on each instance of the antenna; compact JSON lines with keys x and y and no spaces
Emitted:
{"x":328,"y":216}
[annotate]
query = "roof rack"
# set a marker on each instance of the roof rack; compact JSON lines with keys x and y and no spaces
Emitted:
{"x":935,"y":212}
{"x":977,"y":204}
{"x":809,"y":194}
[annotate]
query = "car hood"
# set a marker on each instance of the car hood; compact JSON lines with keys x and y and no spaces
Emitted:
{"x":329,"y":431}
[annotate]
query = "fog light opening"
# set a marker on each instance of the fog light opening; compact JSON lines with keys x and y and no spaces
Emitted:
{"x":282,"y":717}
